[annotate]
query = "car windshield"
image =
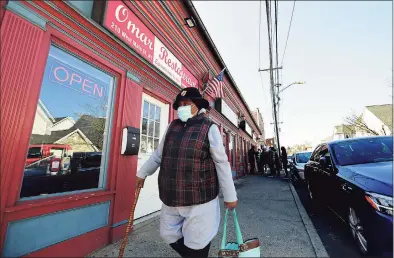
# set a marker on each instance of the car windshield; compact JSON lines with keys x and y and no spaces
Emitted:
{"x":303,"y":157}
{"x":34,"y":152}
{"x":363,"y":151}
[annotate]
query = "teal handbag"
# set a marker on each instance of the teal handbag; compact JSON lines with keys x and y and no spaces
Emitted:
{"x":249,"y":248}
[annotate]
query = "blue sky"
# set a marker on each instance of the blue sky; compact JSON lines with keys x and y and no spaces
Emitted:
{"x":66,"y":97}
{"x":342,"y":50}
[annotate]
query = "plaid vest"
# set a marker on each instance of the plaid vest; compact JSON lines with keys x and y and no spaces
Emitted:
{"x":187,"y":172}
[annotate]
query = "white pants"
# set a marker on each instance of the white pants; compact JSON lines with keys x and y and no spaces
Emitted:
{"x":198,"y":224}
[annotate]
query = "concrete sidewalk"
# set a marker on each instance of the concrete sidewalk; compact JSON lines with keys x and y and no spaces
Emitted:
{"x":269,"y":208}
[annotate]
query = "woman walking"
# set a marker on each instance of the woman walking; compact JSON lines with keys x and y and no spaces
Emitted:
{"x":193,"y":164}
{"x":284,"y":160}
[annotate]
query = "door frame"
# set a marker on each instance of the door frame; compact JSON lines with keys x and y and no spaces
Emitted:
{"x":164,"y":122}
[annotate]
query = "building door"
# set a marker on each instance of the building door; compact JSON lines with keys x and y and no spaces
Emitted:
{"x":154,"y":121}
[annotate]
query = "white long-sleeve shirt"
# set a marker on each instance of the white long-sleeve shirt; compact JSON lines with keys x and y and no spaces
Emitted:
{"x":218,"y":154}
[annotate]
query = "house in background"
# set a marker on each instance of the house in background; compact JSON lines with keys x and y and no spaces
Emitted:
{"x":378,"y":118}
{"x":374,"y":120}
{"x":62,"y":123}
{"x":85,"y":135}
{"x":343,"y":131}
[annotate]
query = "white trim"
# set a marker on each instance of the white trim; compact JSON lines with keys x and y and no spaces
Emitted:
{"x":67,"y":117}
{"x":49,"y":115}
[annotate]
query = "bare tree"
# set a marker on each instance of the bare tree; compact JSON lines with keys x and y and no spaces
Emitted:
{"x":357,"y":123}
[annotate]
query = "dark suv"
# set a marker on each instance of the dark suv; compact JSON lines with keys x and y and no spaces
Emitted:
{"x":354,"y":177}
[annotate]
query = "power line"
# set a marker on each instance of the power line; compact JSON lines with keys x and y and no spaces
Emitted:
{"x":276,"y":39}
{"x":260,"y":35}
{"x":288,"y":33}
{"x":262,"y":85}
{"x":261,"y":78}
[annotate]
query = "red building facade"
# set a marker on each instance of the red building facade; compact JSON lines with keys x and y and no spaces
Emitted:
{"x":73,"y":76}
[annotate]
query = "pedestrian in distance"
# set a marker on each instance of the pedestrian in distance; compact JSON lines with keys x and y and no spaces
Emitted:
{"x":252,"y":159}
{"x":193,"y":164}
{"x":264,"y":160}
{"x":258,"y":157}
{"x":271,"y":161}
{"x":277,"y":163}
{"x":284,"y":161}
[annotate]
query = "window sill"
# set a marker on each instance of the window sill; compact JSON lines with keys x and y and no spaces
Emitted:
{"x":24,"y":205}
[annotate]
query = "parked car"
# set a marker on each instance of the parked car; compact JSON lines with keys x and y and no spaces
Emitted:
{"x":354,"y":178}
{"x":82,"y":172}
{"x":289,"y":158}
{"x":297,"y":165}
{"x":38,"y":152}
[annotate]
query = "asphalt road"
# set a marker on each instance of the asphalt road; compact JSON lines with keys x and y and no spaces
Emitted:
{"x":334,"y":233}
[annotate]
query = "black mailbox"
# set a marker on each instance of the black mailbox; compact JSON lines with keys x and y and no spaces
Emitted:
{"x":130,"y":141}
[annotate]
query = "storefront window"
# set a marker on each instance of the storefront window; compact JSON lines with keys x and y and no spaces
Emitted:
{"x":68,"y":144}
{"x":150,"y":131}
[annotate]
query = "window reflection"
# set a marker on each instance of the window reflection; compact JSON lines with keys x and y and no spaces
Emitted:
{"x":70,"y":129}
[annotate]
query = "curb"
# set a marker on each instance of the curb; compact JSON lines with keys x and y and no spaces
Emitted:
{"x":317,"y":244}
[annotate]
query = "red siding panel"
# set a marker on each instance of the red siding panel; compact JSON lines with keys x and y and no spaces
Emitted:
{"x":127,"y":165}
{"x":21,"y":60}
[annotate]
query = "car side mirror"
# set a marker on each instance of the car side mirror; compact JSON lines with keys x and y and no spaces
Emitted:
{"x":324,"y":162}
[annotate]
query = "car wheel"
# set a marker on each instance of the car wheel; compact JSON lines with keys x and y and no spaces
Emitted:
{"x":357,"y":230}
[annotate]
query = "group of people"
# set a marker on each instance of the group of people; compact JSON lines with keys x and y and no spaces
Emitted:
{"x":267,"y":158}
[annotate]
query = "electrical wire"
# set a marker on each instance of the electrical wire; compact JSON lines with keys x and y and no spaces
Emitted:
{"x":260,"y":35}
{"x":261,"y":78}
{"x":288,"y":33}
{"x":276,"y":39}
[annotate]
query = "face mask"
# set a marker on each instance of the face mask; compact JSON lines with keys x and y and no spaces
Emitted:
{"x":185,"y":112}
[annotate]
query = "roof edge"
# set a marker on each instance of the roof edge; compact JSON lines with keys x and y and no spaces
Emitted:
{"x":190,"y":6}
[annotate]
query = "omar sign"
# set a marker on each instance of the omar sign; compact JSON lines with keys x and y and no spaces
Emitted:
{"x":125,"y":25}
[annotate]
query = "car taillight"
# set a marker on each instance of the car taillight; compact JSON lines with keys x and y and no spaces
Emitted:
{"x":54,"y":166}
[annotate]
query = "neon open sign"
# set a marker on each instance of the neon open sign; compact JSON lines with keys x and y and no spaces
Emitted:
{"x":75,"y":79}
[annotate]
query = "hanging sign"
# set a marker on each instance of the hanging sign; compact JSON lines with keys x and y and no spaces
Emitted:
{"x":248,"y":129}
{"x":124,"y":24}
{"x":222,"y":107}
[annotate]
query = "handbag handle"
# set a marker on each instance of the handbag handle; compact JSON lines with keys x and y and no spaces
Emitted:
{"x":238,"y":233}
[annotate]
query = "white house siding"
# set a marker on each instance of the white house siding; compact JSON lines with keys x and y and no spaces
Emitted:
{"x":64,"y":124}
{"x":374,"y":123}
{"x":42,"y":124}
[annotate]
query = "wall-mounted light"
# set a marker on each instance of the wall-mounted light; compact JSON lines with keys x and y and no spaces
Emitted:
{"x":190,"y":22}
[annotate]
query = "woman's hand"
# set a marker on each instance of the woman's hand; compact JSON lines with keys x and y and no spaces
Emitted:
{"x":139,"y":182}
{"x":230,"y":205}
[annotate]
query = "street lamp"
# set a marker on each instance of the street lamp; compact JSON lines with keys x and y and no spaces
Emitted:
{"x":278,"y":85}
{"x":280,"y":90}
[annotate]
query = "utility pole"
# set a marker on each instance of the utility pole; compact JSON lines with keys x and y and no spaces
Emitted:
{"x":273,"y":92}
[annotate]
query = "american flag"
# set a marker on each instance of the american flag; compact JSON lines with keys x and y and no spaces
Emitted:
{"x":215,"y":86}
